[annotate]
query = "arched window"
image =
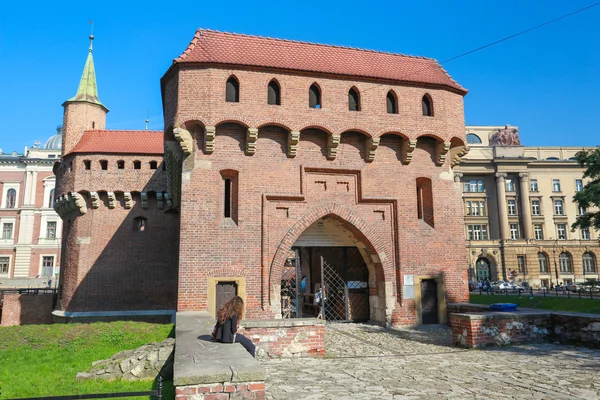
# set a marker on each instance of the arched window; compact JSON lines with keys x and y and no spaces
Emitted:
{"x":137,"y":165}
{"x":51,"y":199}
{"x":353,"y":100}
{"x":425,"y":201}
{"x":589,"y":262}
{"x":473,"y":138}
{"x":427,"y":104}
{"x":314,"y":96}
{"x":543,"y":262}
{"x":11,"y":198}
{"x":565,"y":263}
{"x":121,"y":164}
{"x":153,"y":164}
{"x":392,"y":103}
{"x":232,"y":90}
{"x":273,"y":95}
{"x":140,"y":224}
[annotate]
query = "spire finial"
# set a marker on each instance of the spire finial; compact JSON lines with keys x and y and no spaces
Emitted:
{"x":147,"y":119}
{"x":91,"y":33}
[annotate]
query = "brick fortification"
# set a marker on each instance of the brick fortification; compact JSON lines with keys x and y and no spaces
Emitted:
{"x":384,"y":178}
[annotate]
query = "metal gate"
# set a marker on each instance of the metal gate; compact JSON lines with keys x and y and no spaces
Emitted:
{"x":345,"y":290}
{"x":290,"y":293}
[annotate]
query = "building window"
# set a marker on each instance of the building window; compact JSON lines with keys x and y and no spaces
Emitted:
{"x":477,"y":232}
{"x":556,"y":185}
{"x":153,"y":164}
{"x":474,"y":186}
{"x":533,"y":185}
{"x":589,"y":262}
{"x":580,"y":210}
{"x":232,"y":90}
{"x":137,"y":165}
{"x":538,"y":231}
{"x":273,"y":93}
{"x":230,"y":194}
{"x":4,"y":264}
{"x":353,"y":100}
{"x":564,"y":260}
{"x":140,"y":224}
{"x":475,"y":208}
{"x":48,"y":266}
{"x":120,"y":164}
{"x":561,"y":231}
{"x":425,"y":200}
{"x":558,"y":207}
{"x":473,"y":138}
{"x":512,"y":207}
{"x":51,"y":230}
{"x":392,"y":102}
{"x":104,"y":164}
{"x":87,"y":164}
{"x":7,"y":230}
{"x":514,"y":231}
{"x":51,"y":199}
{"x":314,"y":96}
{"x":578,"y":185}
{"x":427,"y":105}
{"x":535,"y":207}
{"x":543,"y":262}
{"x":11,"y":198}
{"x":510,"y":185}
{"x":585,"y":233}
{"x":521,"y":264}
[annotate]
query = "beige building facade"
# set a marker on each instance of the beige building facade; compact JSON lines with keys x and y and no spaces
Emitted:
{"x":518,"y":207}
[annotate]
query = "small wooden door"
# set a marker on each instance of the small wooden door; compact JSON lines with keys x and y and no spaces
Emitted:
{"x":225,"y":291}
{"x":429,"y":302}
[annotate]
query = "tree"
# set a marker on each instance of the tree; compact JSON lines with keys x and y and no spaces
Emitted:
{"x":588,"y":199}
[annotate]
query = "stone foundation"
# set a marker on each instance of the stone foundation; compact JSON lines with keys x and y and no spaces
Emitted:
{"x":295,"y":337}
{"x":224,"y":391}
{"x":576,"y":328}
{"x":26,"y":309}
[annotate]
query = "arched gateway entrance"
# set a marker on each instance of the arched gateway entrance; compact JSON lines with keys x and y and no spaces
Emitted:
{"x":329,"y":274}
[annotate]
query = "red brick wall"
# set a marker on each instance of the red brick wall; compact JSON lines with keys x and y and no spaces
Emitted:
{"x":297,"y":341}
{"x":24,"y":309}
{"x":77,"y":118}
{"x":377,"y":198}
{"x":222,"y":391}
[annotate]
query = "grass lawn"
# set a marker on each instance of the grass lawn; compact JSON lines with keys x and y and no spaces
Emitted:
{"x":42,"y":360}
{"x":548,"y":303}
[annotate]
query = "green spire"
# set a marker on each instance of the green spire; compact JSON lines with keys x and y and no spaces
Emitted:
{"x":88,"y":91}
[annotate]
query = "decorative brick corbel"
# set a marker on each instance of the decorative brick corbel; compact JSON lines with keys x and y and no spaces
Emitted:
{"x":441,"y":150}
{"x":144,"y":198}
{"x":128,"y":200}
{"x":160,"y":201}
{"x":333,"y":142}
{"x":372,"y":145}
{"x":184,"y":137}
{"x":79,"y":202}
{"x":95,"y":199}
{"x":457,"y":176}
{"x":112,"y":199}
{"x":293,"y":139}
{"x":209,"y":139}
{"x":408,"y":146}
{"x":251,"y":138}
{"x":460,"y":153}
{"x":168,"y":199}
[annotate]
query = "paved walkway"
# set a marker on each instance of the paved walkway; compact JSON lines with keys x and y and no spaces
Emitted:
{"x":369,"y":362}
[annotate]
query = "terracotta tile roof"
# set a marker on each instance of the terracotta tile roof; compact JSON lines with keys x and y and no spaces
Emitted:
{"x":214,"y":47}
{"x":124,"y":142}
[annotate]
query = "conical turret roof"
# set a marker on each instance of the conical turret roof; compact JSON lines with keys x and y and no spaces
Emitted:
{"x":88,"y":90}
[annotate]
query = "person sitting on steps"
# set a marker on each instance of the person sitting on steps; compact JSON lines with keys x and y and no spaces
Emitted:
{"x":228,"y":324}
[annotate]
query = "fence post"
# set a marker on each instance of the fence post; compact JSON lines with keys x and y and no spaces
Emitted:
{"x":159,"y":387}
{"x":568,"y":293}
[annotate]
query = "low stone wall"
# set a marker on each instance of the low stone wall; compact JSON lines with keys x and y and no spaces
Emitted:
{"x":26,"y":309}
{"x":295,"y":337}
{"x":576,"y":328}
{"x":218,"y":391}
{"x":465,"y":308}
{"x":477,"y":330}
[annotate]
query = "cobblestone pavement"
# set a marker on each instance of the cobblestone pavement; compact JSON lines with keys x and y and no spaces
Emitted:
{"x":369,"y":362}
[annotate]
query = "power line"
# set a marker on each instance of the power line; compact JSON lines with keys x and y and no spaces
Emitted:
{"x":521,"y":33}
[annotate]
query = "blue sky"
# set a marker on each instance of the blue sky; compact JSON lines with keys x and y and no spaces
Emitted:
{"x":546,"y":82}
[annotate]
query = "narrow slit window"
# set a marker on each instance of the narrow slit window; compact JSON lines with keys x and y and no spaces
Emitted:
{"x":232,"y":90}
{"x":274,"y":93}
{"x":87,"y":164}
{"x":392,"y":103}
{"x":227,"y":209}
{"x":427,"y":106}
{"x":425,"y":201}
{"x":353,"y":100}
{"x":314,"y":96}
